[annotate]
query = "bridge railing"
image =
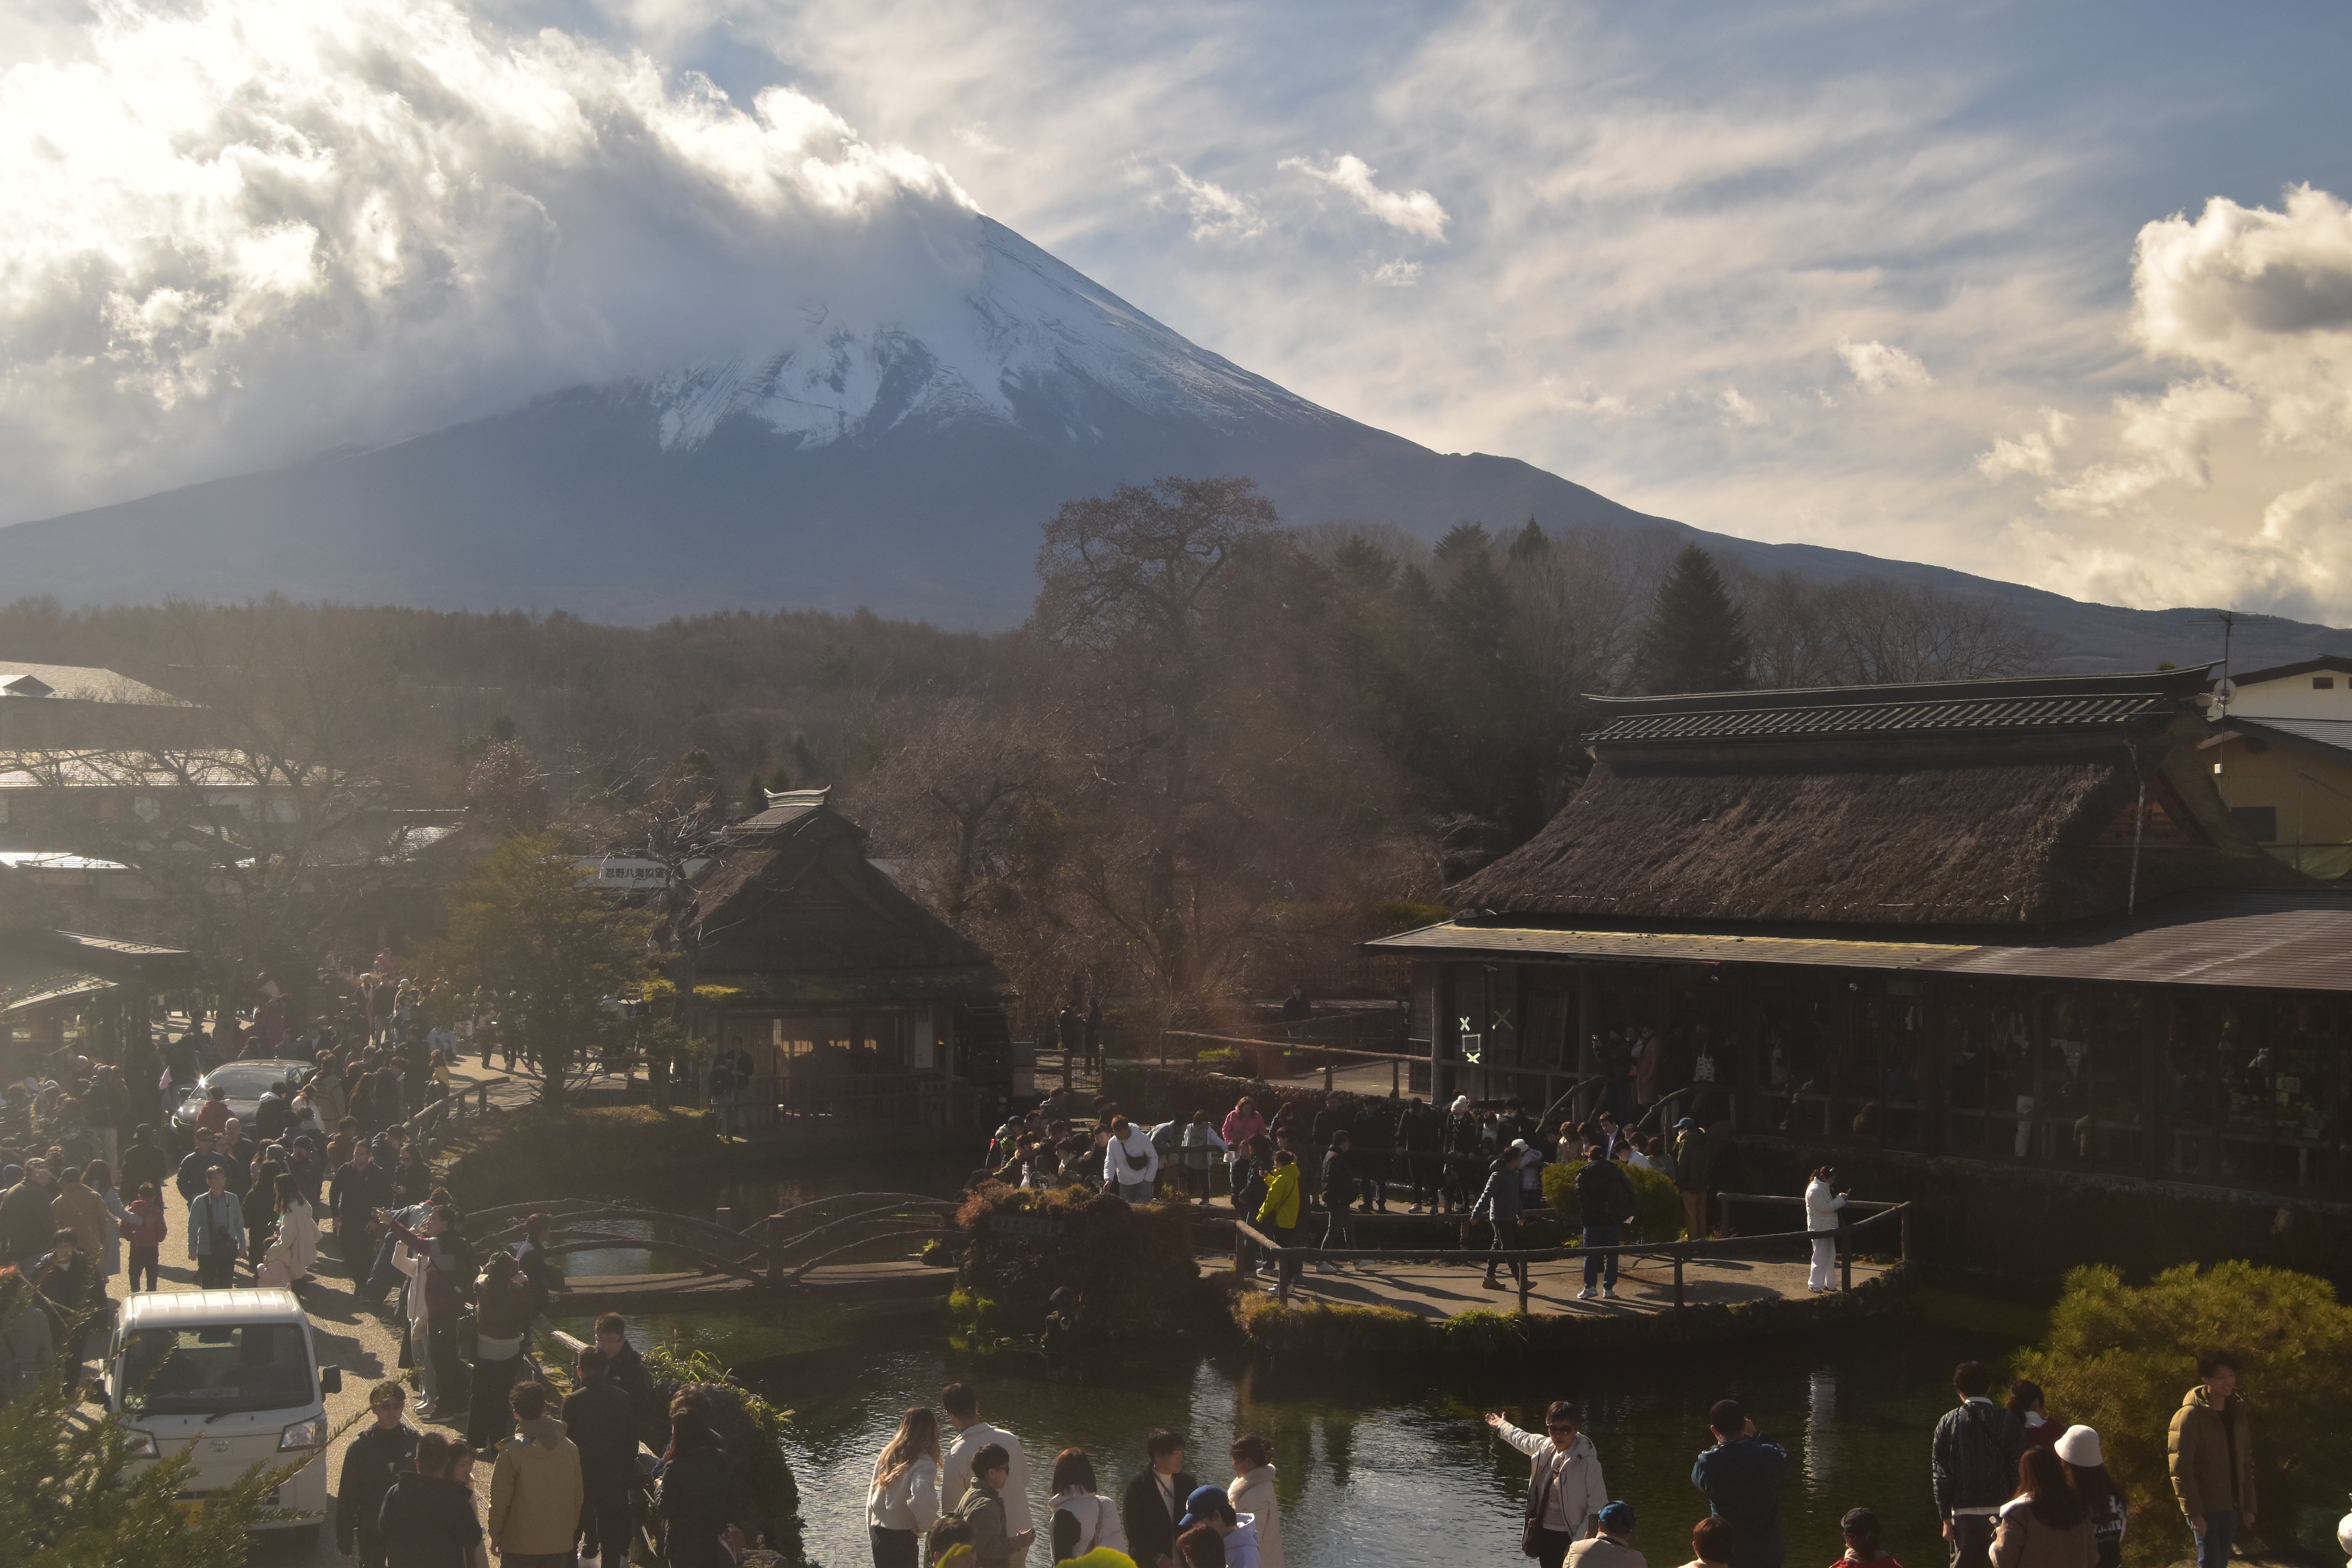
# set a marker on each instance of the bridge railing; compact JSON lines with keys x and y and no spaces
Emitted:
{"x":1679,"y":1253}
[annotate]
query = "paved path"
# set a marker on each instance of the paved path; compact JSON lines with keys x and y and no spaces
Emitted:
{"x":1436,"y":1291}
{"x":361,"y":1342}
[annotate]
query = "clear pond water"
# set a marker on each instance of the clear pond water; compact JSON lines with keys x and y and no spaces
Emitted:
{"x":1383,"y":1469}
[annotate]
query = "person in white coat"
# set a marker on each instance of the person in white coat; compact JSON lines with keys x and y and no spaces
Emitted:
{"x":1130,"y":1162}
{"x":1822,"y":1201}
{"x":1251,"y":1493}
{"x":297,"y":1227}
{"x":1566,"y":1475}
{"x":1083,"y":1518}
{"x":902,"y":1502}
{"x":972,"y":1435}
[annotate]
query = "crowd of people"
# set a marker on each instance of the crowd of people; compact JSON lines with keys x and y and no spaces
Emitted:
{"x":962,"y":1496}
{"x":1343,"y":1158}
{"x":2012,"y":1487}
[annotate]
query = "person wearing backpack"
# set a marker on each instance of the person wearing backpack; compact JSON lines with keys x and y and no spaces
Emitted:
{"x":1251,"y":1164}
{"x":1084,"y":1519}
{"x":1604,"y":1197}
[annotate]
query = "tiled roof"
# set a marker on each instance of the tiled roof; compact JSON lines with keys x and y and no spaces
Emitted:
{"x":2090,"y":711}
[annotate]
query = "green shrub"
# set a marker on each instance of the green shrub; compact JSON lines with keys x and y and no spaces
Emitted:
{"x":1658,"y":1202}
{"x":1483,"y":1335}
{"x":2119,"y":1360}
{"x":1135,"y":1269}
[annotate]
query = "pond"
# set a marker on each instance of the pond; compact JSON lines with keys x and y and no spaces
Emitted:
{"x":1376,"y":1470}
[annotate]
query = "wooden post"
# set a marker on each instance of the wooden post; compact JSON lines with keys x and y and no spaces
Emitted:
{"x":1526,"y":1273}
{"x":1396,"y":1079}
{"x":1678,"y":1280}
{"x":1327,"y":1072}
{"x":726,"y":1217}
{"x":1906,"y":1235}
{"x":1845,"y":1261}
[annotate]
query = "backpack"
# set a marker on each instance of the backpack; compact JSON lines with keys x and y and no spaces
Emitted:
{"x":1250,"y":1196}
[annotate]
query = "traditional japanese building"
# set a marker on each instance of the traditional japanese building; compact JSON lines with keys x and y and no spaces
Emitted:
{"x":851,"y":999}
{"x":2002,"y":923}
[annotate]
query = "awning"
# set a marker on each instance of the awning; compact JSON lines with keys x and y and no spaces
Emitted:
{"x":2287,"y":942}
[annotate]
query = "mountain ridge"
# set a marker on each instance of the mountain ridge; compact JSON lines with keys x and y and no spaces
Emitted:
{"x":903,"y":464}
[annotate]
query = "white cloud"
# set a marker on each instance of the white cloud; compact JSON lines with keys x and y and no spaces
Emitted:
{"x":240,"y":231}
{"x":2029,"y":452}
{"x":1879,"y":368}
{"x":1217,"y":214}
{"x":1736,"y":409}
{"x":1396,"y":273}
{"x":1415,"y":212}
{"x":976,"y":137}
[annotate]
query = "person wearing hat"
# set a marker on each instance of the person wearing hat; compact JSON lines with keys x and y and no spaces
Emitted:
{"x":1613,"y":1546}
{"x":2086,"y":1472}
{"x":1209,"y":1506}
{"x":1693,"y":1160}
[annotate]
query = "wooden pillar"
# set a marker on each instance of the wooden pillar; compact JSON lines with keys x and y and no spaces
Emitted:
{"x":1678,"y":1280}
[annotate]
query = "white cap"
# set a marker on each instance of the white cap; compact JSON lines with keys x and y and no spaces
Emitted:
{"x":2079,"y":1446}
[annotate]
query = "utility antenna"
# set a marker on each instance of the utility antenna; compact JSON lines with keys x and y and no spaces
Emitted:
{"x":2225,"y":690}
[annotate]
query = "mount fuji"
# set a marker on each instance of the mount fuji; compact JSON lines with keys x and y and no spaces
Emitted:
{"x":902,"y":460}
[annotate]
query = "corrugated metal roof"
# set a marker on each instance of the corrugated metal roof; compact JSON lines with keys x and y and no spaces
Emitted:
{"x":2287,"y":942}
{"x":1664,"y":947}
{"x":2332,"y":733}
{"x":245,"y":1304}
{"x":1822,"y":720}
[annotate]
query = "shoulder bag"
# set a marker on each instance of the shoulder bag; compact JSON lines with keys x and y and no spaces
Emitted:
{"x":1531,"y":1533}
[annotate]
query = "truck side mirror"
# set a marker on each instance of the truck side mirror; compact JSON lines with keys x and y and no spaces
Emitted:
{"x":331,"y":1381}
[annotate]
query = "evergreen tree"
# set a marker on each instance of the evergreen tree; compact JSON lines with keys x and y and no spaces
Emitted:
{"x":1695,"y":639}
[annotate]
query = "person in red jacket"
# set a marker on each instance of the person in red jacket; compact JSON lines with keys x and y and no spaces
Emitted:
{"x":144,"y":1236}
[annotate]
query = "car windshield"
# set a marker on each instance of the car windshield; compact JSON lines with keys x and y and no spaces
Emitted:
{"x":215,"y":1369}
{"x":245,"y":1083}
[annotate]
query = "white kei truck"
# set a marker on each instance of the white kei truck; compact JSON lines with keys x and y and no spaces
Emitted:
{"x":232,"y":1378}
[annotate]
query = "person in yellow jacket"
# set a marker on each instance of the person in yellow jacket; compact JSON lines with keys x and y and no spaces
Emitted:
{"x":2211,"y":1452}
{"x":1278,"y":1218}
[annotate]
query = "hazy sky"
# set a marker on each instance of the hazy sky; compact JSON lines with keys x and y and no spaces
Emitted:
{"x":2061,"y":294}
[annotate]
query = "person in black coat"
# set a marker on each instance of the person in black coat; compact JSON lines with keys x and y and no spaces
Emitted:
{"x":427,"y":1518}
{"x":376,"y":1457}
{"x":627,"y":1370}
{"x":598,"y":1419}
{"x":355,"y":1192}
{"x":698,"y":1493}
{"x":202,"y":1158}
{"x":1154,"y":1502}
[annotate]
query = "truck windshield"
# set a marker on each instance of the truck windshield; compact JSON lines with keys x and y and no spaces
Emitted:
{"x":216,"y":1369}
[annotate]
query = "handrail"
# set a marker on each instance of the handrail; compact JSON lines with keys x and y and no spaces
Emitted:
{"x":1678,"y":1253}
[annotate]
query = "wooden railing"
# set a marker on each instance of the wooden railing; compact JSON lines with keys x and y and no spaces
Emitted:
{"x":1679,"y":1253}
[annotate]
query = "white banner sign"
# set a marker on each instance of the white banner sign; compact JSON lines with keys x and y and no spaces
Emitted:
{"x":615,"y":874}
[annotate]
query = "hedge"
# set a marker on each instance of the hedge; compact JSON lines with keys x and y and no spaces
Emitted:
{"x":1657,"y":1202}
{"x":2119,"y":1360}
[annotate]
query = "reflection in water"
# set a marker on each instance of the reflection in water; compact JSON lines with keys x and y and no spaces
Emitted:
{"x":1821,"y":1431}
{"x":1372,"y":1474}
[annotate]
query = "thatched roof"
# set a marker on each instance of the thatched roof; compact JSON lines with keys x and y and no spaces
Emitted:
{"x":1954,"y":804}
{"x":792,"y":912}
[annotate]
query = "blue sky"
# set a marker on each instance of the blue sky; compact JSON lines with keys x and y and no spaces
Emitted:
{"x":1900,"y":277}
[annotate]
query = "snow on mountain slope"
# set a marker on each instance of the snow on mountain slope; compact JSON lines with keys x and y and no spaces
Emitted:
{"x":1007,"y":319}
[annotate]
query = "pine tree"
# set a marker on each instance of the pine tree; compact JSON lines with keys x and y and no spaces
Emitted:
{"x":1696,"y":640}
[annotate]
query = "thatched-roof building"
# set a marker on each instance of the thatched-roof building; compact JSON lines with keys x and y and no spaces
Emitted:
{"x":2008,"y":920}
{"x":847,"y":996}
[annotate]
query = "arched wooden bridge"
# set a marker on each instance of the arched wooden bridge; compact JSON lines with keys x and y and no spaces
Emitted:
{"x":806,"y":1251}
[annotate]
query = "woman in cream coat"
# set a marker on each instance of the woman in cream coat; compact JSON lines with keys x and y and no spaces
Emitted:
{"x":1252,"y":1491}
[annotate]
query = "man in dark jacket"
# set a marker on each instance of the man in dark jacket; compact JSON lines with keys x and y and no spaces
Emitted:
{"x":1155,"y":1501}
{"x":29,"y":1226}
{"x":1373,"y":1140}
{"x":374,"y":1458}
{"x":355,"y":1192}
{"x":1605,"y":1196}
{"x":1694,"y":1166}
{"x":1339,"y":1199}
{"x":627,"y":1368}
{"x":202,"y":1158}
{"x":1973,"y":1461}
{"x":143,"y":1162}
{"x":1741,"y":1478}
{"x":598,"y":1419}
{"x":1420,"y":1135}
